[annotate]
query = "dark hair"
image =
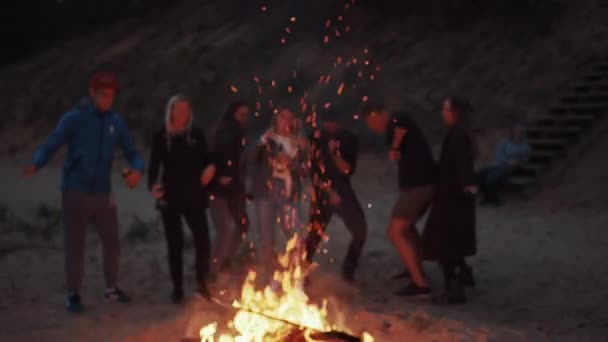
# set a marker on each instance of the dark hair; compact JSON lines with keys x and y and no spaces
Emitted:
{"x":464,"y":116}
{"x":372,"y":107}
{"x":231,"y":110}
{"x":463,"y":109}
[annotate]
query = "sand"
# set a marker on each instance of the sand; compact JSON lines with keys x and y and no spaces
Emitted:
{"x":540,"y":269}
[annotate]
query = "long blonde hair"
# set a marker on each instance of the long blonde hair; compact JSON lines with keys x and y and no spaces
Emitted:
{"x":168,"y":112}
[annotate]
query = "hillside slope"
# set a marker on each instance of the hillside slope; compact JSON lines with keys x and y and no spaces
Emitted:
{"x":508,"y":63}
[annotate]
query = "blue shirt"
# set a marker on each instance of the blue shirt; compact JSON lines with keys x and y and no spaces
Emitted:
{"x":508,"y":150}
{"x":92,"y":138}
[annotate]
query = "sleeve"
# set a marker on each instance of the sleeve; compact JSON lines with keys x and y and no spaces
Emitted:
{"x":501,"y":151}
{"x":128,"y":146}
{"x":155,"y":160}
{"x":206,"y":154}
{"x":225,"y":154}
{"x":349,"y":151}
{"x":463,"y":158}
{"x":58,"y":137}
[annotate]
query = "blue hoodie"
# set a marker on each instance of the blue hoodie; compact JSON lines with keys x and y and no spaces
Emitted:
{"x":92,"y":138}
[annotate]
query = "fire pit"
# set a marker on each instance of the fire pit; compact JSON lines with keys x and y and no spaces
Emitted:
{"x":280,"y":312}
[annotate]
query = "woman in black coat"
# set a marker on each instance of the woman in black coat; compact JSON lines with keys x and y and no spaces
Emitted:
{"x":228,"y":186}
{"x":450,"y":234}
{"x":181,"y":151}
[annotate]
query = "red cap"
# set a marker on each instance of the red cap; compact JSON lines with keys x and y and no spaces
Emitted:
{"x":103,"y":79}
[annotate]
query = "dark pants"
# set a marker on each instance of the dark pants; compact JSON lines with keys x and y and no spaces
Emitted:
{"x":489,"y":180}
{"x":174,"y":234}
{"x":78,"y":209}
{"x":231,"y":224}
{"x":352,"y":215}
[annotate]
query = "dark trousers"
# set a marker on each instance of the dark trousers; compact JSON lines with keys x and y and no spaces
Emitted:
{"x":489,"y":180}
{"x":78,"y":210}
{"x":231,"y":224}
{"x":352,"y":215}
{"x":174,"y":234}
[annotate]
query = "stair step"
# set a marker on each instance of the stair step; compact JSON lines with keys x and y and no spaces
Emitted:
{"x":544,"y":156}
{"x":565,"y":119}
{"x":596,"y":77}
{"x":556,"y":144}
{"x":521,"y":181}
{"x":579,"y":108}
{"x":529,"y":169}
{"x":585,"y":99}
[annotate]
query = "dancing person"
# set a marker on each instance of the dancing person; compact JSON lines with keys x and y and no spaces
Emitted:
{"x":449,"y":235}
{"x":228,"y":188}
{"x":335,"y":152}
{"x":511,"y":153}
{"x":280,"y":162}
{"x":417,"y":177}
{"x":181,"y":150}
{"x":92,"y":132}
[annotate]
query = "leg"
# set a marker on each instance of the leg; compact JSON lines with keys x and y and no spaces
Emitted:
{"x":354,"y":219}
{"x":106,"y":222}
{"x":319,"y":218}
{"x":454,"y":288}
{"x":197,"y":221}
{"x":402,"y":230}
{"x":266,"y":225}
{"x":75,"y":214}
{"x":238,"y":211}
{"x":222,"y":221}
{"x":175,"y":243}
{"x":493,"y":179}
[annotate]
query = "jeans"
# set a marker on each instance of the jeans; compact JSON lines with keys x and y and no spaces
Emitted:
{"x":78,"y":209}
{"x":231,"y":224}
{"x":351,"y":213}
{"x":174,"y":234}
{"x":489,"y":179}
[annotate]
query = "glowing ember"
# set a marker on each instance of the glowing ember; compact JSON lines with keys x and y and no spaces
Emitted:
{"x":326,"y":39}
{"x":340,"y":88}
{"x":292,"y":19}
{"x":234,"y":89}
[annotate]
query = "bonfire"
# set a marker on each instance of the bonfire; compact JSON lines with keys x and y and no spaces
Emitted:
{"x":280,"y":312}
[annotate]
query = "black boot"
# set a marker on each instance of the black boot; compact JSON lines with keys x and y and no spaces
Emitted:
{"x":466,"y":276}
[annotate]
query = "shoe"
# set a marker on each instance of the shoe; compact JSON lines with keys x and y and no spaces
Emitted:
{"x":116,"y":295}
{"x":348,"y":277}
{"x":414,"y":291}
{"x":72,"y":303}
{"x":203,"y":292}
{"x":466,"y":276}
{"x":177,"y":296}
{"x":405,"y":274}
{"x":454,"y":293}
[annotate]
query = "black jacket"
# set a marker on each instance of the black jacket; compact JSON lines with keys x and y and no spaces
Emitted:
{"x":183,"y":158}
{"x":228,"y":146}
{"x":416,"y":166}
{"x":325,"y":168}
{"x":450,"y":232}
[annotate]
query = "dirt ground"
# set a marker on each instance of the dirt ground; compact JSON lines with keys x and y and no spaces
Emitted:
{"x":540,"y":273}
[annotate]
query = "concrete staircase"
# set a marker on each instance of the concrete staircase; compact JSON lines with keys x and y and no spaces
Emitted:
{"x":560,"y":136}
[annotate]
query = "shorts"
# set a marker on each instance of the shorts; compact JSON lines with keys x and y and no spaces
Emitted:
{"x":413,"y":203}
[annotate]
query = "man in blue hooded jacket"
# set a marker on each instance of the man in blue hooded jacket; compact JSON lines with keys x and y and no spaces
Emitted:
{"x":92,"y":132}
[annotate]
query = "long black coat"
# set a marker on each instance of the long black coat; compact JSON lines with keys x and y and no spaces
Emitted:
{"x":450,"y":229}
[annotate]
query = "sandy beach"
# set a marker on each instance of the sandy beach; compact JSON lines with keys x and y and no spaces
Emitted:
{"x":540,"y":270}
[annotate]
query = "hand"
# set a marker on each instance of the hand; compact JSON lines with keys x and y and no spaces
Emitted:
{"x":157,"y":191}
{"x":208,"y":174}
{"x":399,"y":134}
{"x":334,"y":198}
{"x":333,"y":145}
{"x":225,"y":181}
{"x":132,"y":178}
{"x":471,"y":189}
{"x":394,"y":155}
{"x":29,"y":170}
